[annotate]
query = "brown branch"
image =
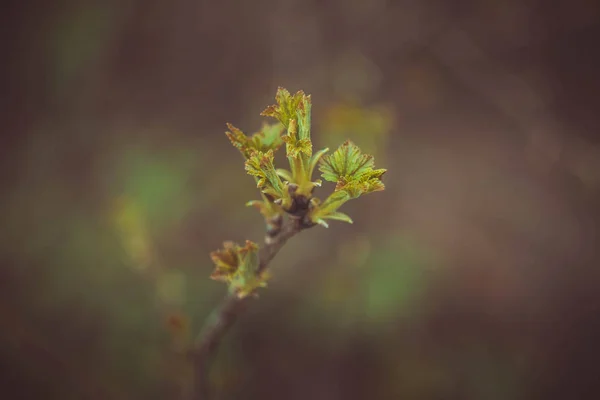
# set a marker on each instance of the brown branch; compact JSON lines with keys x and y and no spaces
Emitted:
{"x":225,"y":314}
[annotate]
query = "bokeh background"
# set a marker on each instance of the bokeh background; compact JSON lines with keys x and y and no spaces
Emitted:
{"x":473,"y":276}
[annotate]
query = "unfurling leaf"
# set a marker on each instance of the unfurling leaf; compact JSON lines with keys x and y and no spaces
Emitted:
{"x":339,"y":216}
{"x":352,"y":170}
{"x":294,"y":112}
{"x":261,"y":166}
{"x":238,"y":139}
{"x":303,"y":114}
{"x":287,"y":106}
{"x":319,"y":212}
{"x":346,"y":162}
{"x":268,"y":138}
{"x":266,"y":208}
{"x":297,"y":147}
{"x":238,"y":266}
{"x":367,"y":183}
{"x":226,"y":260}
{"x":285,"y":174}
{"x":315,"y":160}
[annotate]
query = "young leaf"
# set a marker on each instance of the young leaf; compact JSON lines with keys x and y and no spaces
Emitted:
{"x":315,"y":160}
{"x":285,"y":174}
{"x":319,"y":212}
{"x":268,"y":138}
{"x":238,"y":139}
{"x":303,"y":115}
{"x":352,"y":170}
{"x":346,"y":162}
{"x":245,"y":279}
{"x":334,"y":215}
{"x":295,"y":113}
{"x":296,"y":151}
{"x":339,"y":216}
{"x":297,"y":146}
{"x":266,"y":208}
{"x":369,"y":182}
{"x":260,"y":164}
{"x":286,"y":107}
{"x":237,"y":266}
{"x":226,"y":260}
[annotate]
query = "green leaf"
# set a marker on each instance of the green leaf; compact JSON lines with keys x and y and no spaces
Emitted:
{"x":315,"y":160}
{"x":339,"y":216}
{"x":369,"y":182}
{"x":303,"y":114}
{"x":285,"y":174}
{"x":321,"y":222}
{"x":245,"y":280}
{"x":238,"y":266}
{"x":238,"y":139}
{"x":352,"y":170}
{"x":266,"y":208}
{"x":226,"y":260}
{"x":294,"y":112}
{"x":287,"y":105}
{"x":334,"y":201}
{"x":335,"y":216}
{"x":268,"y":138}
{"x":261,"y":165}
{"x":345,"y":163}
{"x":297,"y":147}
{"x":319,"y":212}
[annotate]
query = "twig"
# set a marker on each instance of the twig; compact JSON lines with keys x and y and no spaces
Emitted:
{"x":225,"y":314}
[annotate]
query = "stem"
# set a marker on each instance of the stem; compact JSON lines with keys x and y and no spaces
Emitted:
{"x":225,"y":314}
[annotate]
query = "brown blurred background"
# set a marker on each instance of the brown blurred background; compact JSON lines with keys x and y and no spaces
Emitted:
{"x":473,"y":276}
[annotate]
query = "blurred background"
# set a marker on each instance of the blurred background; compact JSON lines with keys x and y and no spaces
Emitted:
{"x":473,"y":276}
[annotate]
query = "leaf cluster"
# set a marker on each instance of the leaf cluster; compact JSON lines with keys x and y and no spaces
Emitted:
{"x":291,"y":190}
{"x":237,"y":266}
